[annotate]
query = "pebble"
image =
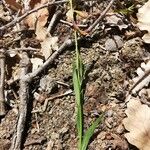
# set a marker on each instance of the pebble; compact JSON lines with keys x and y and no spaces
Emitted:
{"x":113,"y":44}
{"x":48,"y":84}
{"x":109,"y":113}
{"x":110,"y":45}
{"x":120,"y":129}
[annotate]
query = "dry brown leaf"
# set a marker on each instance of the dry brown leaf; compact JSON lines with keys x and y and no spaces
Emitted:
{"x":14,"y":5}
{"x":138,"y":124}
{"x":48,"y":45}
{"x":143,"y":16}
{"x":41,"y":33}
{"x":40,"y":17}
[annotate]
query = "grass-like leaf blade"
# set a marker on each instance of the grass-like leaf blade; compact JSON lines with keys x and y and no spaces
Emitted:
{"x":90,"y":131}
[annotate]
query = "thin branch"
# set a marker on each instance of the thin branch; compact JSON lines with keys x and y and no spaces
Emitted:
{"x":2,"y":82}
{"x":24,"y":49}
{"x":28,"y":77}
{"x":19,"y":19}
{"x":71,"y":24}
{"x":53,"y":21}
{"x":102,"y":15}
{"x":24,"y":99}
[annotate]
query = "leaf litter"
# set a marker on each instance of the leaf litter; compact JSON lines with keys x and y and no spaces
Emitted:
{"x":109,"y":72}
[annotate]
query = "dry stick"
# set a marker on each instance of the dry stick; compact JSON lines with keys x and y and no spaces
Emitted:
{"x":71,"y":24}
{"x":28,"y":77}
{"x":19,"y":19}
{"x":102,"y":15}
{"x":53,"y":21}
{"x":2,"y":82}
{"x":24,"y":49}
{"x":24,"y":98}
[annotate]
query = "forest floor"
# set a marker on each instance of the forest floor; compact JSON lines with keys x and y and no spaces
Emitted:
{"x":111,"y":55}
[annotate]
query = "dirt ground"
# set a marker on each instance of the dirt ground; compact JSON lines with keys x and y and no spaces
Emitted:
{"x":111,"y":58}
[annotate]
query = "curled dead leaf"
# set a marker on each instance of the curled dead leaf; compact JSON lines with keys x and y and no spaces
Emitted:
{"x":36,"y":63}
{"x":38,"y":19}
{"x":144,"y":21}
{"x":138,"y":124}
{"x":48,"y":45}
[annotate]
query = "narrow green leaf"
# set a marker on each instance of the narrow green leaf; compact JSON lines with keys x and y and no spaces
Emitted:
{"x":90,"y":132}
{"x":80,"y":125}
{"x":76,"y":85}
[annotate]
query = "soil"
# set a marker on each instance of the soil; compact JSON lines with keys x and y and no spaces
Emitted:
{"x":110,"y":69}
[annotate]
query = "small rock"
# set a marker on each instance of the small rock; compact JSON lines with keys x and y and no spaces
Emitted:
{"x":110,"y":45}
{"x":109,"y":113}
{"x":101,"y":135}
{"x":120,"y":129}
{"x":109,"y":122}
{"x":118,"y":41}
{"x":114,"y":44}
{"x":48,"y":84}
{"x":54,"y":135}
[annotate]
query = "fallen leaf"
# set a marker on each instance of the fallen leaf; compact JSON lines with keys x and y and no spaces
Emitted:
{"x":82,"y":14}
{"x":36,"y":63}
{"x":144,"y":21}
{"x":138,"y":124}
{"x":116,"y":20}
{"x":38,"y":19}
{"x":12,"y":4}
{"x":41,"y":33}
{"x":69,"y":15}
{"x":48,"y":45}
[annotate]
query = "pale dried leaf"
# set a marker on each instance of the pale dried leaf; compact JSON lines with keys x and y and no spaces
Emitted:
{"x":69,"y":15}
{"x":144,"y":21}
{"x":116,"y":20}
{"x":48,"y":45}
{"x":82,"y":14}
{"x":36,"y":63}
{"x":38,"y":18}
{"x":143,"y":78}
{"x":138,"y":124}
{"x":41,"y":33}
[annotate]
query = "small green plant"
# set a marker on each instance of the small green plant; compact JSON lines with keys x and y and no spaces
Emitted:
{"x":78,"y":79}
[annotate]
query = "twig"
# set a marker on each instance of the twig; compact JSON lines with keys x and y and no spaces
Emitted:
{"x":28,"y":77}
{"x":24,"y":98}
{"x":19,"y":19}
{"x":102,"y":15}
{"x":24,"y":49}
{"x":71,"y":24}
{"x":53,"y":21}
{"x":2,"y":81}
